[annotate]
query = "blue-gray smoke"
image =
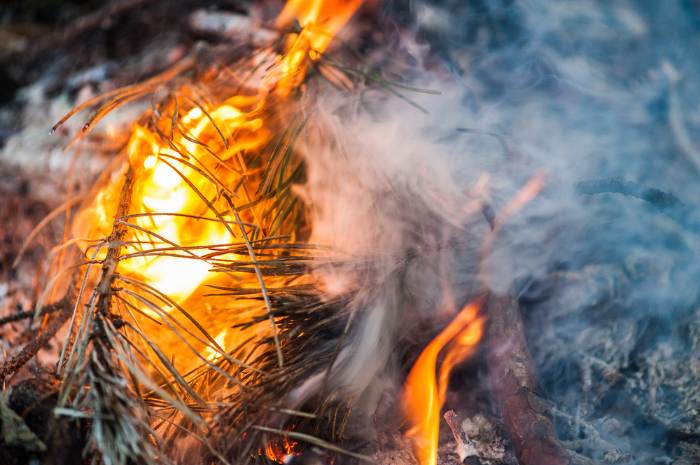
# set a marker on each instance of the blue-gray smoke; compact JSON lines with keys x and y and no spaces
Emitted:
{"x":603,"y":98}
{"x":606,"y":95}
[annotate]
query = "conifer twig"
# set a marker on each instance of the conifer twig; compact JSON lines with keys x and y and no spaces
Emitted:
{"x":11,"y":366}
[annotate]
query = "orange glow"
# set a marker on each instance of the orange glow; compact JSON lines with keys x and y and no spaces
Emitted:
{"x":426,"y":385}
{"x":320,"y":21}
{"x":183,"y":157}
{"x":524,"y":196}
{"x":280,"y":451}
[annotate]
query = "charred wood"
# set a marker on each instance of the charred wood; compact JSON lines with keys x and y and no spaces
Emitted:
{"x":514,"y":387}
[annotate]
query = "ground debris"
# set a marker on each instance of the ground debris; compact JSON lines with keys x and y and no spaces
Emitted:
{"x":230,"y":26}
{"x":15,"y":432}
{"x":479,"y":440}
{"x":623,"y":389}
{"x":489,"y":443}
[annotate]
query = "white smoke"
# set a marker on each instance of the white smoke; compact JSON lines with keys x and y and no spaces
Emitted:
{"x":574,"y":91}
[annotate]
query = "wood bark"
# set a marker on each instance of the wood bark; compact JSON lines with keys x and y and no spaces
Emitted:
{"x":514,"y":387}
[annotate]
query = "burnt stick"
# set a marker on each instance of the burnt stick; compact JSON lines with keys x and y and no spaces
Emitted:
{"x":513,"y":386}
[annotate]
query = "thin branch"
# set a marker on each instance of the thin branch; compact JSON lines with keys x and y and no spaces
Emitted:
{"x":24,"y":315}
{"x":10,"y":367}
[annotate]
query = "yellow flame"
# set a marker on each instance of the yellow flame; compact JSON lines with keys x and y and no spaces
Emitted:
{"x":424,"y":392}
{"x":320,"y":21}
{"x":176,"y":215}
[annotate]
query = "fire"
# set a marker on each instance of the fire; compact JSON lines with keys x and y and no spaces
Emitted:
{"x":320,"y":21}
{"x":195,"y":161}
{"x":426,"y":386}
{"x":280,"y":452}
{"x":424,"y":391}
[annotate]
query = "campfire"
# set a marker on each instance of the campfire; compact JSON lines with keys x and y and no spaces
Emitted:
{"x":284,"y":244}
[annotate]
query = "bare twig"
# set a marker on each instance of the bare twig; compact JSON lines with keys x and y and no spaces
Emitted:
{"x":24,"y":315}
{"x":10,"y":367}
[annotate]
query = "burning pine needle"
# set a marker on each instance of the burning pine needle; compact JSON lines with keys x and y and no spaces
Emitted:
{"x":202,"y":208}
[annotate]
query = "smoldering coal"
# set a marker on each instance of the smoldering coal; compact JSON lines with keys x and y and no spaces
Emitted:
{"x":574,"y":90}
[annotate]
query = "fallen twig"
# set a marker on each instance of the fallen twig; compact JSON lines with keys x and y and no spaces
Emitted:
{"x":51,"y":308}
{"x":465,"y":446}
{"x":229,"y":26}
{"x":11,"y":366}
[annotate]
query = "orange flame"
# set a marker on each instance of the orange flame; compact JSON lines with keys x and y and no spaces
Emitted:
{"x":424,"y":392}
{"x":320,"y":21}
{"x":179,"y":226}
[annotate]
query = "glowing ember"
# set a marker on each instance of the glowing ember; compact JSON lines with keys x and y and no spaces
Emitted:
{"x":280,"y":452}
{"x":424,"y":393}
